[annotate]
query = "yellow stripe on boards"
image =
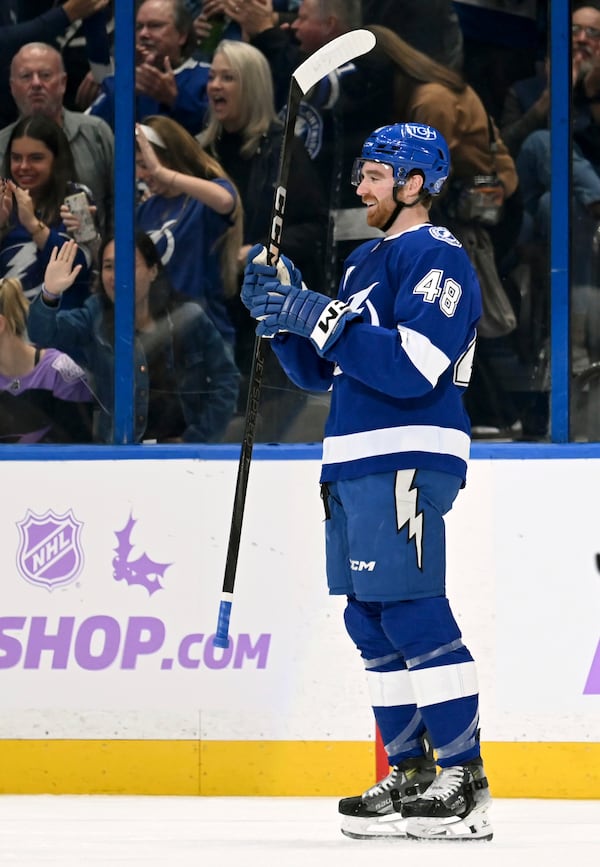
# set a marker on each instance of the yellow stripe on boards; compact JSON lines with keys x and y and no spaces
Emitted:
{"x":96,"y":767}
{"x":148,"y":767}
{"x":542,"y":770}
{"x":270,"y":768}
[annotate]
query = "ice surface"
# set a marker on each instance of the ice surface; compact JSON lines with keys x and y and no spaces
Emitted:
{"x":114,"y":831}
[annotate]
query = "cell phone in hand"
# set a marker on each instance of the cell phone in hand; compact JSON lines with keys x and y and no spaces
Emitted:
{"x":79,"y":205}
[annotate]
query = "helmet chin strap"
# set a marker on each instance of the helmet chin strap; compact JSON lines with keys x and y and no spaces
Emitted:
{"x":399,"y":207}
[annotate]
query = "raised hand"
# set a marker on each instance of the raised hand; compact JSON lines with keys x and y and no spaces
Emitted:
{"x":61,"y":272}
{"x":25,"y":209}
{"x":253,"y":16}
{"x":202,"y":27}
{"x":159,"y":84}
{"x":77,"y":9}
{"x":7,"y":188}
{"x":151,"y":161}
{"x":210,"y":8}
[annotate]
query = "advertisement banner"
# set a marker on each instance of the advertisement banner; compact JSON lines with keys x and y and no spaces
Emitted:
{"x":112,"y":577}
{"x":112,"y":574}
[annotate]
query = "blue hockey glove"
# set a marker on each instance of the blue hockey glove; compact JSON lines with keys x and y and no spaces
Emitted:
{"x":303,"y":312}
{"x":268,"y":331}
{"x":257,"y":273}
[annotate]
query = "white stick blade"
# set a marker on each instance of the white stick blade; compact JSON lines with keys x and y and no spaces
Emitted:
{"x":341,"y":50}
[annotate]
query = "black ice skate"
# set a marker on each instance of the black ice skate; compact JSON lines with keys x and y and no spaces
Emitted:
{"x":373,"y":814}
{"x":454,"y":807}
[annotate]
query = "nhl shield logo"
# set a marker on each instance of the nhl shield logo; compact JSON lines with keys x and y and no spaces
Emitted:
{"x":50,"y":552}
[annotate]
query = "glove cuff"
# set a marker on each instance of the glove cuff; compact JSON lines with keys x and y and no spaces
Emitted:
{"x":331,"y":319}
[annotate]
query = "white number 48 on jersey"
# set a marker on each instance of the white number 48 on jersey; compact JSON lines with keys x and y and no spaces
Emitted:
{"x":434,"y":288}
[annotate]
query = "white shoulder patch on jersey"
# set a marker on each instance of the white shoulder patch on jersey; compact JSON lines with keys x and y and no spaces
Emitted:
{"x":67,"y":369}
{"x":440,"y":233}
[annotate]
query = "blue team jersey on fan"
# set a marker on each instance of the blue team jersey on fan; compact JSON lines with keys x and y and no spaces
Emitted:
{"x":186,"y":233}
{"x":190,"y":104}
{"x":398,"y":372}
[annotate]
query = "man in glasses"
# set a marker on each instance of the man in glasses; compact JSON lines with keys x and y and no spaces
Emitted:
{"x":525,"y":129}
{"x":527,"y":103}
{"x":583,"y":33}
{"x":585,"y":27}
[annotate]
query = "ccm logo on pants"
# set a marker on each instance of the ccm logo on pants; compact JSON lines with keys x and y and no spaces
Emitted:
{"x":362,"y":565}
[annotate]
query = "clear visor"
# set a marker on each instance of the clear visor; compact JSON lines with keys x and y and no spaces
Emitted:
{"x":357,"y":170}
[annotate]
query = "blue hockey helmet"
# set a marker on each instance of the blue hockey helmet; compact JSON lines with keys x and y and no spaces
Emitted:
{"x":406,"y":147}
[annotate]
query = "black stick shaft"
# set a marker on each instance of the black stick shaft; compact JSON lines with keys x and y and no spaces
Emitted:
{"x":256,"y":373}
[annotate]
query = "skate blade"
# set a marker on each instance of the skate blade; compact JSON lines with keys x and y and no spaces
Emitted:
{"x":362,"y":828}
{"x":476,"y":826}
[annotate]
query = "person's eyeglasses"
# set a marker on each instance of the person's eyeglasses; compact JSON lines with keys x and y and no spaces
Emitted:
{"x":590,"y":32}
{"x":44,"y":75}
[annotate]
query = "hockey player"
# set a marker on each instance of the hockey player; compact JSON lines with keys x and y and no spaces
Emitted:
{"x":396,"y":348}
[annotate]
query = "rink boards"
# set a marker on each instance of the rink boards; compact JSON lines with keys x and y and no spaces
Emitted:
{"x":112,"y":572}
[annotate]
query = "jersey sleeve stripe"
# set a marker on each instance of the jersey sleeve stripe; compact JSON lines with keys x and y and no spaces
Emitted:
{"x":430,"y":361}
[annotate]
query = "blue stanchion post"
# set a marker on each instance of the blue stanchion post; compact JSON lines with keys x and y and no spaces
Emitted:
{"x":560,"y":224}
{"x":124,"y":196}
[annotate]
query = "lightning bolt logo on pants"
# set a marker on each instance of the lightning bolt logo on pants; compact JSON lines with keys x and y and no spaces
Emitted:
{"x":406,"y":510}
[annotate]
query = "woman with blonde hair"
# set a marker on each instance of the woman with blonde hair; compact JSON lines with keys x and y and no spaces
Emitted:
{"x":193,"y":214}
{"x":245,"y":135}
{"x":252,"y":112}
{"x":44,"y":395}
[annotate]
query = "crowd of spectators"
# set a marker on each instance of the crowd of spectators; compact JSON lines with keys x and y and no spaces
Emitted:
{"x":211,"y":86}
{"x":244,"y":134}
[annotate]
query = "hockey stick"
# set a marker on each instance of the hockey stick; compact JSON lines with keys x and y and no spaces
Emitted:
{"x":320,"y":64}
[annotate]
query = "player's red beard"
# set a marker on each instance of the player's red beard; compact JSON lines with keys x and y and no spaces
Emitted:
{"x":378,"y":213}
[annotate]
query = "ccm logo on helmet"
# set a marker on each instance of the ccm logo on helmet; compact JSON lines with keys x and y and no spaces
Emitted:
{"x":424,"y":132}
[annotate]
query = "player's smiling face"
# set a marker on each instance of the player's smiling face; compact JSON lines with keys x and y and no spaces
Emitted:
{"x":376,"y":191}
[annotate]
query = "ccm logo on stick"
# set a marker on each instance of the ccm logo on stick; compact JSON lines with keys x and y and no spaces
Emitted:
{"x":277,"y":224}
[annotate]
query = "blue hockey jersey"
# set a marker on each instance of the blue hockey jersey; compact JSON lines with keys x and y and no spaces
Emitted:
{"x":189,"y":108}
{"x":186,"y":234}
{"x":399,"y":371}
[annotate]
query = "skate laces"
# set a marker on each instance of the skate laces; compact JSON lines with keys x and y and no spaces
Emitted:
{"x":447,"y":783}
{"x":384,"y":785}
